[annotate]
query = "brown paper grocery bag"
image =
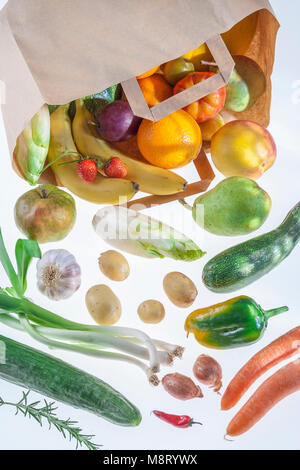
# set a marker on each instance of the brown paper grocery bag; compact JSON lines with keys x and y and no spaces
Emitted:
{"x":59,"y":50}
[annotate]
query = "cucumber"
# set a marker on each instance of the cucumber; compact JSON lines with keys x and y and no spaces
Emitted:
{"x":243,"y":264}
{"x":56,"y":379}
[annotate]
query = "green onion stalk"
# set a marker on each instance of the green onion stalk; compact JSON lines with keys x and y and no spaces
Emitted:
{"x":20,"y":313}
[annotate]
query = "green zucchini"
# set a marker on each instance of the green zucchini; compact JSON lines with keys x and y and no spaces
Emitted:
{"x":56,"y":379}
{"x":243,"y":264}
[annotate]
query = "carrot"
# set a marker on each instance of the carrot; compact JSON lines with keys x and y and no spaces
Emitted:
{"x":283,"y":383}
{"x":282,"y":348}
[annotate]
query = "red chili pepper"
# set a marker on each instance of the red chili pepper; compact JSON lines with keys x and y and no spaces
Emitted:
{"x":176,"y":420}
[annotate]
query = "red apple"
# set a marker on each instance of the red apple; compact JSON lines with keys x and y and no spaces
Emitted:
{"x":45,"y":214}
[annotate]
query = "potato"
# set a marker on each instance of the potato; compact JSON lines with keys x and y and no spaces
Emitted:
{"x":114,"y":265}
{"x":103,"y":305}
{"x":151,"y":311}
{"x":180,"y":290}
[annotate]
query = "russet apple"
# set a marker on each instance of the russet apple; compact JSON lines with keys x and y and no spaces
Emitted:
{"x":45,"y":214}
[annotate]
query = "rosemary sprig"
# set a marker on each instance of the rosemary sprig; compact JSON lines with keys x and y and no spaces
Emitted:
{"x":67,"y":427}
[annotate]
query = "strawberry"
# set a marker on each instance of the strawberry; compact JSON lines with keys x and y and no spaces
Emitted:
{"x":87,"y":170}
{"x":115,"y":168}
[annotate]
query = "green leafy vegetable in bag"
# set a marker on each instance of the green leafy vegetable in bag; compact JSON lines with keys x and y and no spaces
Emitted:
{"x":32,"y":146}
{"x":52,"y":108}
{"x":140,"y":235}
{"x":96,"y":102}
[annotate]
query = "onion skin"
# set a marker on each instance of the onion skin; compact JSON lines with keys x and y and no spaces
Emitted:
{"x":181,"y":387}
{"x":209,"y":372}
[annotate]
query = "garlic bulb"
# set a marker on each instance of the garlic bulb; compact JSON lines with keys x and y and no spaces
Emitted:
{"x":58,"y":274}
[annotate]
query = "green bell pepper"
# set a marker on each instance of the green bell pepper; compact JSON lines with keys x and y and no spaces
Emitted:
{"x":234,"y":323}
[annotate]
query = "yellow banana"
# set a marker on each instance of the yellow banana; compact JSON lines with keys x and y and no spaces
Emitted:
{"x":151,"y":179}
{"x":102,"y":190}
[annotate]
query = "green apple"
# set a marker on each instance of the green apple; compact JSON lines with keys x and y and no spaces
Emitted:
{"x":45,"y":214}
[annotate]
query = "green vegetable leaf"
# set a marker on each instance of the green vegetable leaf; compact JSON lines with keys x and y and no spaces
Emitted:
{"x":10,"y":303}
{"x":177,"y":249}
{"x":52,"y":108}
{"x":96,"y":102}
{"x":151,"y":249}
{"x":8,"y":267}
{"x":25,"y":251}
{"x":186,"y":251}
{"x":11,"y":291}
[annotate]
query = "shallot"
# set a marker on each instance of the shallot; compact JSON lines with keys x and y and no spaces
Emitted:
{"x":181,"y":387}
{"x":208,"y":371}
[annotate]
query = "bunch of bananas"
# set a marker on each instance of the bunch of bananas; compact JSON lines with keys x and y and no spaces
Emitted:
{"x":80,"y":136}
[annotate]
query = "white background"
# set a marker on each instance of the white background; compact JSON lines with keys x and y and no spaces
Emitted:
{"x":278,"y":430}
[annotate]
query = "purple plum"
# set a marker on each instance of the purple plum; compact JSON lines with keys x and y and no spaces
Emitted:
{"x":116,"y":122}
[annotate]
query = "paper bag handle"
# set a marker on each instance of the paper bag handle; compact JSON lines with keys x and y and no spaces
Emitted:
{"x":225,"y":64}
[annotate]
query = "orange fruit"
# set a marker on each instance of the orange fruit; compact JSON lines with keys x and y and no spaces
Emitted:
{"x":155,"y":89}
{"x":149,"y":73}
{"x":172,"y":142}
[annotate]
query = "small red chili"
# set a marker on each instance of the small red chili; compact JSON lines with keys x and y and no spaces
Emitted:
{"x":176,"y":420}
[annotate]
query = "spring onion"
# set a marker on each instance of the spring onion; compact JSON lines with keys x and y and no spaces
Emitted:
{"x":20,"y":313}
